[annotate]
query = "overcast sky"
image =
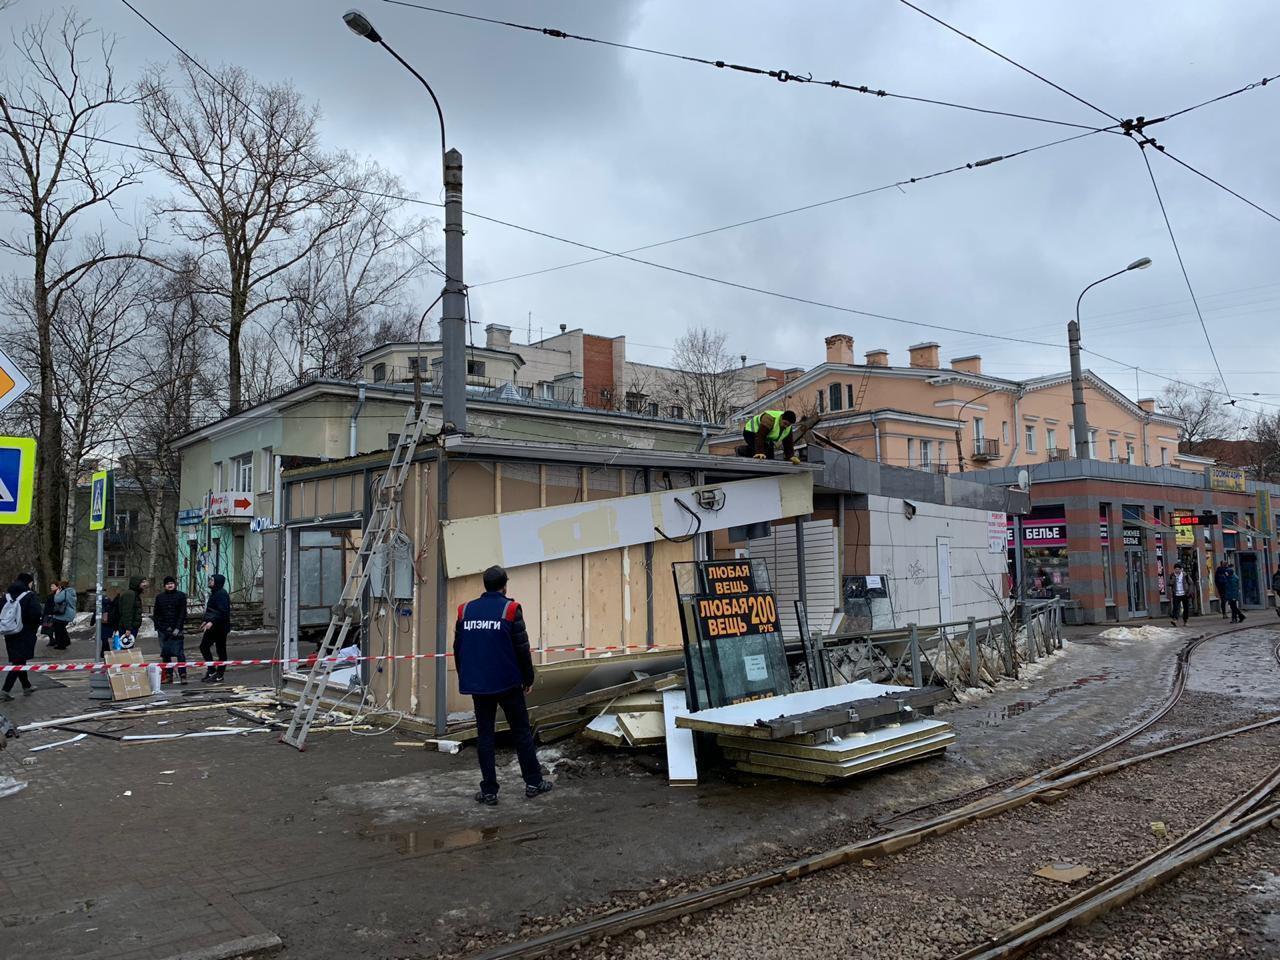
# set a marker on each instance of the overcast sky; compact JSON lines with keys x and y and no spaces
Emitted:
{"x":618,"y":149}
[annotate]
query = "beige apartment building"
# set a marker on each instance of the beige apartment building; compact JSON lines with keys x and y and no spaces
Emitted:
{"x":951,"y":418}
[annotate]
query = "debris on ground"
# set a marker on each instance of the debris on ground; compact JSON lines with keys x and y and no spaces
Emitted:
{"x":1063,"y":872}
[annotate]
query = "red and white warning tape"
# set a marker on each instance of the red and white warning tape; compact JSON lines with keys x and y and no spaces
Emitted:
{"x":95,"y":666}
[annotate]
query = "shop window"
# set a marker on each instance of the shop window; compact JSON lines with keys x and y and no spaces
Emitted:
{"x":1104,"y":534}
{"x":1044,"y":553}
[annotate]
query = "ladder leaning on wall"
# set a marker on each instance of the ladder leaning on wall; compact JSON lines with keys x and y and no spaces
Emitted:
{"x":387,"y":498}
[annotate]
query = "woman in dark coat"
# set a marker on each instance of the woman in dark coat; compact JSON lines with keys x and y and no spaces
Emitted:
{"x":21,"y":646}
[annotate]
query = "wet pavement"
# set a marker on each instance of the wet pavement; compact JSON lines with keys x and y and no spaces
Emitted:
{"x":358,"y":847}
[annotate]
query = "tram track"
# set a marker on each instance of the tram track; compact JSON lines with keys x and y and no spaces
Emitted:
{"x":1229,"y":824}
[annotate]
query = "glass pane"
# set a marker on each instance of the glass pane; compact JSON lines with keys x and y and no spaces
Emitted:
{"x":309,"y":578}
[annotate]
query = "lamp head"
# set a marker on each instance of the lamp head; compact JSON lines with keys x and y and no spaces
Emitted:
{"x":1141,"y":264}
{"x":359,"y":24}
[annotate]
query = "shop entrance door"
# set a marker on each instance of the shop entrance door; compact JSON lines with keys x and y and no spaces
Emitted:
{"x":1135,"y":582}
{"x":944,"y":580}
{"x":1250,"y":582}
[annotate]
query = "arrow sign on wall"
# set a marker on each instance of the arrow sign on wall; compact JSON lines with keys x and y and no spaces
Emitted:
{"x":13,"y":382}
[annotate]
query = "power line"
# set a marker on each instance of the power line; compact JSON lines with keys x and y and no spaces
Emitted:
{"x":1009,"y":60}
{"x":988,"y":161}
{"x":1182,"y":163}
{"x":1226,"y":96}
{"x":270,"y":129}
{"x":1183,"y":267}
{"x":784,"y":76}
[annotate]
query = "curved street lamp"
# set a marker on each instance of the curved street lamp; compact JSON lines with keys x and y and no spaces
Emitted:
{"x":1079,"y":421}
{"x":452,"y":314}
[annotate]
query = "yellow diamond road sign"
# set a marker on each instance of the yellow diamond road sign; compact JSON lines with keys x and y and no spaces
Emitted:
{"x":13,"y":382}
{"x":17,"y":478}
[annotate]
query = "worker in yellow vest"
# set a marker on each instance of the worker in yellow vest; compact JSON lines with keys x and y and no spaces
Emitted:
{"x":763,"y":432}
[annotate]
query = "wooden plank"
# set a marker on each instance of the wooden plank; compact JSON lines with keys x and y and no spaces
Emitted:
{"x":562,"y":608}
{"x":604,"y":598}
{"x":851,"y":767}
{"x":682,"y":761}
{"x":666,"y":609}
{"x":524,"y":585}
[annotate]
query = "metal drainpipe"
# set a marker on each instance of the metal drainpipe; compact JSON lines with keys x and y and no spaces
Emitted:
{"x":875,"y":426}
{"x":1017,"y":436}
{"x":355,"y":415}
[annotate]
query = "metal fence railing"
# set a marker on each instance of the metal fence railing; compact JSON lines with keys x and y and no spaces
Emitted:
{"x":962,"y":653}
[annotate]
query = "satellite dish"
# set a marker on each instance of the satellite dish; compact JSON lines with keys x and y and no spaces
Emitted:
{"x":1024,"y":479}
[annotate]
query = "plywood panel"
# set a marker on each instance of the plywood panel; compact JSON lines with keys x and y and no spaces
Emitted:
{"x":471,"y":491}
{"x":604,"y":599}
{"x":666,"y":614}
{"x":562,"y":607}
{"x":519,"y":487}
{"x":639,"y":597}
{"x":343,"y":502}
{"x":603,"y":483}
{"x":307,"y":499}
{"x":524,"y":585}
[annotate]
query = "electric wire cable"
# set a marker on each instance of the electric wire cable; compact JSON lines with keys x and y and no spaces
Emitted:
{"x":1185,"y":276}
{"x":1009,"y":60}
{"x":783,"y":76}
{"x":1160,"y":148}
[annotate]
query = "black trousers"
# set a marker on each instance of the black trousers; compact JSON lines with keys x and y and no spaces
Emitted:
{"x":517,"y":714}
{"x":1236,"y":615}
{"x":19,"y":653}
{"x":61,"y":640}
{"x":749,"y":447}
{"x":215,"y":636}
{"x":1184,"y":603}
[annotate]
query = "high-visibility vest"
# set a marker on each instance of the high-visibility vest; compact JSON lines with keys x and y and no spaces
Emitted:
{"x":779,"y":430}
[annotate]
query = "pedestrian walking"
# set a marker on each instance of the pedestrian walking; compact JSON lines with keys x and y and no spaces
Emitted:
{"x":64,"y":612}
{"x":1180,"y":591}
{"x":19,"y":620}
{"x":495,"y":668}
{"x":46,"y":615}
{"x":1232,"y":584}
{"x":1275,"y":588}
{"x":216,"y":626}
{"x":1220,"y":586}
{"x":128,"y":608}
{"x":170,"y":618}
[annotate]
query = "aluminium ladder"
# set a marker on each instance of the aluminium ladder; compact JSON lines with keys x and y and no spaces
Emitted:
{"x":387,"y":497}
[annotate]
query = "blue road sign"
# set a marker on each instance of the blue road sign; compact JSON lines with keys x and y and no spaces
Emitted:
{"x":17,"y":479}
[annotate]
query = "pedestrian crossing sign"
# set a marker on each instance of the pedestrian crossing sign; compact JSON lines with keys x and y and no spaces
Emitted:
{"x":17,"y":479}
{"x":98,"y":500}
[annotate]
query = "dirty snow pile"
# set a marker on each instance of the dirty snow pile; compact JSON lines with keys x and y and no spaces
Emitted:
{"x":1146,"y":632}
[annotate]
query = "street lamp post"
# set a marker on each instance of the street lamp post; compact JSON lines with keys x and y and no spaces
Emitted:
{"x":1079,"y":421}
{"x":453,"y":310}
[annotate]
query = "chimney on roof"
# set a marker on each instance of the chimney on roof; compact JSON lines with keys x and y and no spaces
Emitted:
{"x":792,"y":373}
{"x":564,"y":327}
{"x":877,"y":358}
{"x":971,"y":364}
{"x":1148,"y":404}
{"x":766,"y":386}
{"x":840,"y":348}
{"x":497,"y":337}
{"x":924,"y":355}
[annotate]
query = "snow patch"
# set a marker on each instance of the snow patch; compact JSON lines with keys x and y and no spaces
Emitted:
{"x":1146,"y":632}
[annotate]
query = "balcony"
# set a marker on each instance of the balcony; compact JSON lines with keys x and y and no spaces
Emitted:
{"x":1058,"y":453}
{"x":985,"y":450}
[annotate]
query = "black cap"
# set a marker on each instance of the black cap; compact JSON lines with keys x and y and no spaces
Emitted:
{"x":169,"y":580}
{"x":495,"y":578}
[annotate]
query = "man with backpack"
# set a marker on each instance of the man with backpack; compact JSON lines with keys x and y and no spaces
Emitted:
{"x":216,"y":626}
{"x":19,"y":620}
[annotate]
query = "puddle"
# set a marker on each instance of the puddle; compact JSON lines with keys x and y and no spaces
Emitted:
{"x":428,"y":840}
{"x":1017,"y":708}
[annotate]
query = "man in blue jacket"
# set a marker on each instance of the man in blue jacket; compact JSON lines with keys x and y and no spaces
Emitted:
{"x":495,"y":668}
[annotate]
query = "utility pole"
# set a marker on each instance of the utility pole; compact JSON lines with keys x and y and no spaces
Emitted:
{"x":1079,"y":419}
{"x":453,"y":327}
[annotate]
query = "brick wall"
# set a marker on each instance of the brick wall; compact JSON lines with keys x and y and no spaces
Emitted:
{"x":597,"y":368}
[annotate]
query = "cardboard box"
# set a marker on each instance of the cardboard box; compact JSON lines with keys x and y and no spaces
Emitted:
{"x":130,"y":683}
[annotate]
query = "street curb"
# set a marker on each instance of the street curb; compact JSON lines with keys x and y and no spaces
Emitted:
{"x":259,"y":943}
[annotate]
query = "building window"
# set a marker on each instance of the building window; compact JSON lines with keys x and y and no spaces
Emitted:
{"x":849,"y":394}
{"x":676,"y":412}
{"x":1093,"y":444}
{"x":979,"y":429}
{"x":911,"y":451}
{"x":1004,"y":432}
{"x":926,"y":453}
{"x":475,"y":368}
{"x":1164,"y":456}
{"x":268,"y":470}
{"x":1111,"y":451}
{"x":379,"y":372}
{"x":822,"y":402}
{"x":1031,"y":439}
{"x":1128,"y":453}
{"x":115,"y":565}
{"x":837,"y":399}
{"x":547,"y":390}
{"x":413,"y":364}
{"x":217,"y":475}
{"x":125,"y":520}
{"x":634,"y":401}
{"x":1050,"y":438}
{"x":651,"y":409}
{"x":242,"y":473}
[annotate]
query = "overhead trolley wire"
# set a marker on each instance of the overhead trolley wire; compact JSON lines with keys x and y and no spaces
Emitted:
{"x":784,"y":76}
{"x":1222,"y":186}
{"x":1009,"y":60}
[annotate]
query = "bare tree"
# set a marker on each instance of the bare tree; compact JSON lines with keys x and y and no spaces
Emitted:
{"x":704,"y":376}
{"x":255,"y":196}
{"x":1262,"y":441}
{"x":54,"y":178}
{"x":1204,"y":414}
